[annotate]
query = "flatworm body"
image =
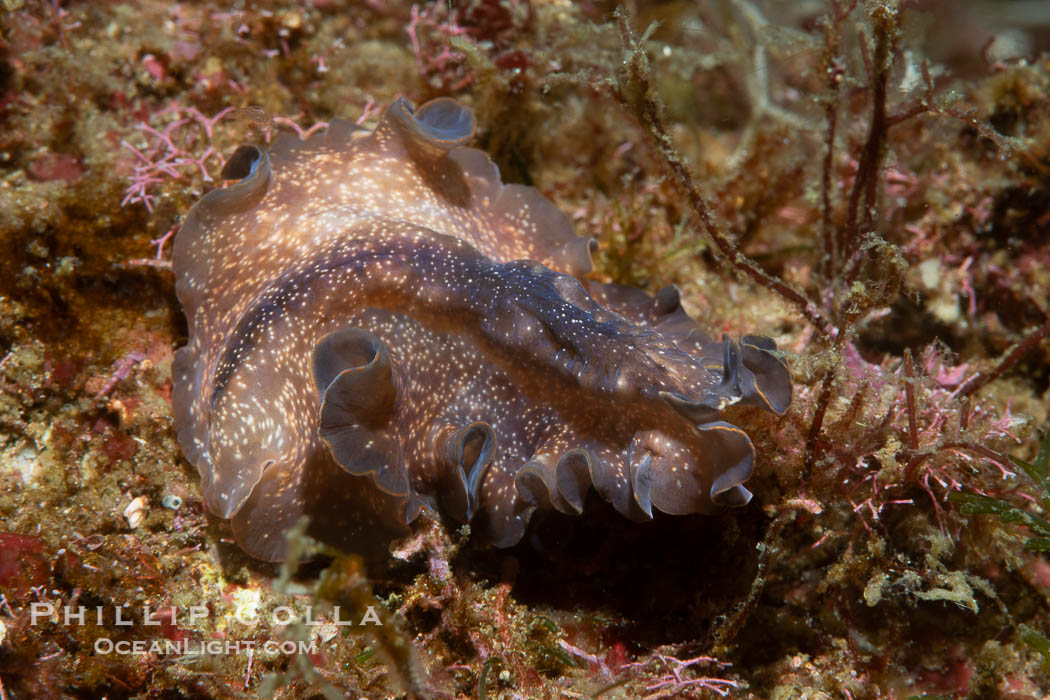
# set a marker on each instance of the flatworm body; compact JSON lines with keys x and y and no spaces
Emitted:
{"x":378,"y":325}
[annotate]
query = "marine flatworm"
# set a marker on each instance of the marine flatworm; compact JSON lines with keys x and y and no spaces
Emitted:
{"x":378,"y":325}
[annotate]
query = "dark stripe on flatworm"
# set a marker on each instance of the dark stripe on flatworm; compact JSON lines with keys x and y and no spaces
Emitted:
{"x":358,"y":255}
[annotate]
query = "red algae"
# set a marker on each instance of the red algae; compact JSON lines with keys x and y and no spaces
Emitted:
{"x":22,"y":564}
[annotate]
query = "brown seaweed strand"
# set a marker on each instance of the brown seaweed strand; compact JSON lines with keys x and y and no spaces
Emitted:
{"x":834,"y":75}
{"x":830,"y":251}
{"x":1010,"y":359}
{"x":730,"y":625}
{"x":638,"y":96}
{"x":866,"y":180}
{"x":813,"y":451}
{"x":909,"y":397}
{"x":913,"y":421}
{"x":981,"y":450}
{"x":866,"y":183}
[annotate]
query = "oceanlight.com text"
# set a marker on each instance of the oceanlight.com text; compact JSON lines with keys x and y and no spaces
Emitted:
{"x":212,"y":647}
